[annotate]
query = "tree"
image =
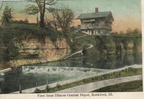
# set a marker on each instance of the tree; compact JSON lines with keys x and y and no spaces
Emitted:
{"x":129,"y":31}
{"x":136,"y":31}
{"x":52,"y":22}
{"x":42,"y":8}
{"x":63,"y":18}
{"x":1,"y":5}
{"x":32,"y":10}
{"x":7,"y":16}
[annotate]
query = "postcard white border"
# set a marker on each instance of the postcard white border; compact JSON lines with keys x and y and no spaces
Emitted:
{"x":116,"y":95}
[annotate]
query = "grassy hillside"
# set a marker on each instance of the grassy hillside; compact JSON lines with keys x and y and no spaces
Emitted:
{"x":15,"y":33}
{"x":123,"y":73}
{"x":113,"y":43}
{"x":133,"y":86}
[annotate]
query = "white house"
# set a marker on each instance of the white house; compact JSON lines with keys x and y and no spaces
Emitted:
{"x":97,"y":23}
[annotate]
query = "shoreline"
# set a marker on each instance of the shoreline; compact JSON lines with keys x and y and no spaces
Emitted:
{"x":13,"y":64}
{"x":31,"y":90}
{"x":45,"y":61}
{"x":99,"y":84}
{"x":5,"y":71}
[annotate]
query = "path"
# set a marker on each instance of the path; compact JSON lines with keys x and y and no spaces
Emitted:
{"x":100,"y":84}
{"x":80,"y":51}
{"x":31,"y":90}
{"x":80,"y":36}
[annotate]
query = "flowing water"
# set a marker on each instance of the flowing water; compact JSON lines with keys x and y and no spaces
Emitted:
{"x":36,"y":75}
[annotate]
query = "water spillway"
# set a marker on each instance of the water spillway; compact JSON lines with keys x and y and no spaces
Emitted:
{"x":32,"y":76}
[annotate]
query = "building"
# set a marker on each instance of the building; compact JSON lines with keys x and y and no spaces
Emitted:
{"x":96,"y":23}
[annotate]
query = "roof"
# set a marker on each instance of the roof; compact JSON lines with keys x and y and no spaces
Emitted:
{"x":94,"y":15}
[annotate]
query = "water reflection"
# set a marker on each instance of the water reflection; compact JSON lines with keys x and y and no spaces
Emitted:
{"x":137,"y":59}
{"x":36,"y":75}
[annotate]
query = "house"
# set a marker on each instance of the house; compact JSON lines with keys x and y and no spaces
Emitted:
{"x":96,"y":23}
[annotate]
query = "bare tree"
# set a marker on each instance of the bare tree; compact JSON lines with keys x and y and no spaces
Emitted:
{"x":32,"y":10}
{"x":42,"y":8}
{"x":63,"y":18}
{"x":52,"y":22}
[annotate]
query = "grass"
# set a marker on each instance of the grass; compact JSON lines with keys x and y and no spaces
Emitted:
{"x":133,"y":86}
{"x":83,"y":43}
{"x":86,"y":40}
{"x":106,"y":44}
{"x":122,"y":73}
{"x":13,"y":35}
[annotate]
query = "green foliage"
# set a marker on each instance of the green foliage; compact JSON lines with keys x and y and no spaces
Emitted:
{"x":84,"y":51}
{"x":20,"y":22}
{"x":122,"y":73}
{"x":1,"y":4}
{"x":7,"y":16}
{"x":41,"y":4}
{"x":104,"y":44}
{"x":115,"y":42}
{"x":108,"y":44}
{"x":53,"y":34}
{"x":10,"y":53}
{"x":63,"y":18}
{"x":19,"y":32}
{"x":132,"y":86}
{"x":16,"y":33}
{"x":37,"y":90}
{"x":32,"y":10}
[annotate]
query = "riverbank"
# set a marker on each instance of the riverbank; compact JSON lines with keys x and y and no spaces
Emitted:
{"x":82,"y":46}
{"x":4,"y":71}
{"x":85,"y":88}
{"x":132,"y":86}
{"x":61,"y":83}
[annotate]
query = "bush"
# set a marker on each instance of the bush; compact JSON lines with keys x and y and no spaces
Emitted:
{"x":19,"y":32}
{"x":37,"y":91}
{"x":10,"y":53}
{"x":16,"y":33}
{"x":53,"y":34}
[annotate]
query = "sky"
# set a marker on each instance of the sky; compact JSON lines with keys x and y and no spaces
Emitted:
{"x":126,"y":13}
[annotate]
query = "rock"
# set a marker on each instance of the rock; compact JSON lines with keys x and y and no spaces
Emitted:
{"x":32,"y":51}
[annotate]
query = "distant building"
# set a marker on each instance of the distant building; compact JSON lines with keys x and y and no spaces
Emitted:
{"x":97,"y":23}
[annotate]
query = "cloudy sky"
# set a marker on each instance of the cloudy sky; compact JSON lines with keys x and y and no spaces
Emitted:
{"x":126,"y":13}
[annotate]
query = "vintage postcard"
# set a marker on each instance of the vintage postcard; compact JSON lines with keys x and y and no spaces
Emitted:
{"x":70,"y":48}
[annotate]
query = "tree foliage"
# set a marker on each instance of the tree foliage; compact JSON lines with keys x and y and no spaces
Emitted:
{"x":1,"y":5}
{"x":7,"y":16}
{"x":32,"y":10}
{"x":42,"y":8}
{"x":63,"y":18}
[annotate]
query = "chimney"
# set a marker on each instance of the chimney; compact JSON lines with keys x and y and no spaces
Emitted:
{"x":96,"y":10}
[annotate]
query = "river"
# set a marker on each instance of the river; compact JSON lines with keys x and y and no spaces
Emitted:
{"x":40,"y":74}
